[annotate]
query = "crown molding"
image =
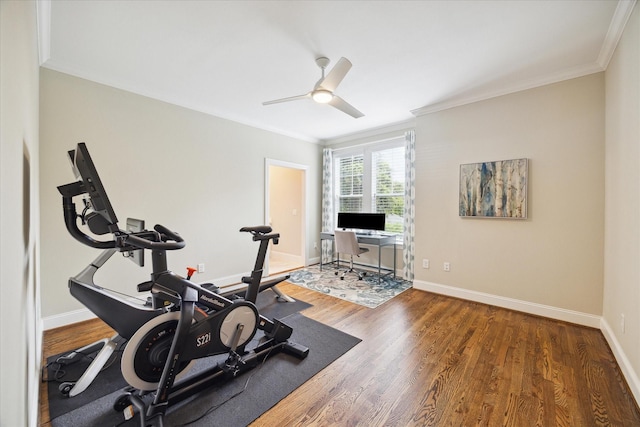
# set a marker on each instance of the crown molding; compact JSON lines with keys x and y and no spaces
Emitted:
{"x":43,"y":17}
{"x":567,"y":74}
{"x":616,"y":28}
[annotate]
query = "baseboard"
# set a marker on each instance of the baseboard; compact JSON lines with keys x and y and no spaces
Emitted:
{"x":68,"y":318}
{"x":551,"y":312}
{"x":625,"y":365}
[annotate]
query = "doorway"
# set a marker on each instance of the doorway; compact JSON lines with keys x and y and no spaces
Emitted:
{"x":285,"y":212}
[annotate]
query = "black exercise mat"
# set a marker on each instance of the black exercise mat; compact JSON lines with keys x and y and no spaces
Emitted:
{"x":264,"y":386}
{"x":110,"y":379}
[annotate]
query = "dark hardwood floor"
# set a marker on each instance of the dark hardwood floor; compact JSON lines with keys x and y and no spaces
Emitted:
{"x":431,"y":360}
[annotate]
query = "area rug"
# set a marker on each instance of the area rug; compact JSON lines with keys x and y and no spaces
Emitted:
{"x":110,"y":379}
{"x":368,"y":292}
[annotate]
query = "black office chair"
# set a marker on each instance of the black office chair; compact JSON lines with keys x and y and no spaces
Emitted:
{"x":347,"y":243}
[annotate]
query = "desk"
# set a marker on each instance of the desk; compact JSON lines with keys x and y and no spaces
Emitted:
{"x":378,"y":240}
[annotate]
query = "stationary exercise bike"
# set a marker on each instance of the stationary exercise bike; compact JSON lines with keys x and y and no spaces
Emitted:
{"x":104,"y":302}
{"x":183,"y":321}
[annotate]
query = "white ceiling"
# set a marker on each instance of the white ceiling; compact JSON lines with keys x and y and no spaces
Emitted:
{"x":227,"y":57}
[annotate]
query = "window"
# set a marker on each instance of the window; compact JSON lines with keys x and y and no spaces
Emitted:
{"x":349,"y":186}
{"x":370,"y":178}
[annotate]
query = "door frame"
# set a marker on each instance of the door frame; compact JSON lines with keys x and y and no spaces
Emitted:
{"x":304,"y":202}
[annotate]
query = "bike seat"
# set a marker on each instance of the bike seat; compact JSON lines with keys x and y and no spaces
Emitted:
{"x":260,"y":229}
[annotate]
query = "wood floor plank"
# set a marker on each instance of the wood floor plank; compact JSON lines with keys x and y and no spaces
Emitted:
{"x":431,"y":360}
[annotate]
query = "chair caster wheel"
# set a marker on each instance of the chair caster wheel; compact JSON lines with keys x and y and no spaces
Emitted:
{"x":342,"y":278}
{"x":336,"y":273}
{"x":65,"y":388}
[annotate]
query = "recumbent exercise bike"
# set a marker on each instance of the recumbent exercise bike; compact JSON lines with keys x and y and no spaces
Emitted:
{"x":182,"y":322}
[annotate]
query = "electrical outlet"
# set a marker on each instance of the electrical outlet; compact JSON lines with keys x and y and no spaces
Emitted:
{"x":622,"y":322}
{"x":425,"y":263}
{"x":201,"y":267}
{"x":446,"y":266}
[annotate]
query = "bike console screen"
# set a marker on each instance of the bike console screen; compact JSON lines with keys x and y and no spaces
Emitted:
{"x":98,"y":215}
{"x":83,"y":164}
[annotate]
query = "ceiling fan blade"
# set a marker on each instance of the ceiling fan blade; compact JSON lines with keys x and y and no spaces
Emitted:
{"x":345,"y":107}
{"x":291,"y":98}
{"x":335,"y":76}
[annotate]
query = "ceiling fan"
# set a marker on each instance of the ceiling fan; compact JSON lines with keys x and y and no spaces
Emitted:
{"x":322,"y":92}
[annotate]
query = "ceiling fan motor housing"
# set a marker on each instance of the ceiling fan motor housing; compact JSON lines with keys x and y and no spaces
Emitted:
{"x":323,"y":62}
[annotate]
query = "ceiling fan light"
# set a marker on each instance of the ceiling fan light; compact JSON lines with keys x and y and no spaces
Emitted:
{"x":322,"y":96}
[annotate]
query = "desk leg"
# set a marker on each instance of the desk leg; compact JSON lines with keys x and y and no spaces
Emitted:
{"x":379,"y":262}
{"x":394,"y":260}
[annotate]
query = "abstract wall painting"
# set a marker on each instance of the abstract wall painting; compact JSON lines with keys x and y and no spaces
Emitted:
{"x":494,"y":189}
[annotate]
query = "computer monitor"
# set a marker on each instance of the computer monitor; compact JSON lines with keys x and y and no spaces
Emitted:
{"x":361,"y":221}
{"x":83,"y":165}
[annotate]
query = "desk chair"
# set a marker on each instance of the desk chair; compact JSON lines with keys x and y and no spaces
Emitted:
{"x":347,"y":243}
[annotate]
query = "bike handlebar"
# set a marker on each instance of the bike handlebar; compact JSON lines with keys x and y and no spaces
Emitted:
{"x":170,"y":240}
{"x":70,"y":219}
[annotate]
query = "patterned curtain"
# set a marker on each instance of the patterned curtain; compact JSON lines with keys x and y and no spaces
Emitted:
{"x":327,"y":203}
{"x":409,"y":204}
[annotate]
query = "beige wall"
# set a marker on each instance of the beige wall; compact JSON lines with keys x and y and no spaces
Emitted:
{"x":622,"y":207}
{"x":554,"y":257}
{"x":197,"y":174}
{"x":20,"y":336}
